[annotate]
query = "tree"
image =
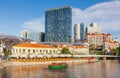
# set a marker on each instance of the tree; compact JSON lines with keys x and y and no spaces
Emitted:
{"x":55,"y":45}
{"x":99,"y":53}
{"x":115,"y":51}
{"x":65,"y":51}
{"x":6,"y":53}
{"x":118,"y":50}
{"x":92,"y":48}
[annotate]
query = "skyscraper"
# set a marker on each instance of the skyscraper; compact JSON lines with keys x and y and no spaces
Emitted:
{"x":36,"y":36}
{"x":25,"y":34}
{"x":82,"y":34}
{"x":79,"y":32}
{"x":58,"y":24}
{"x":94,"y":28}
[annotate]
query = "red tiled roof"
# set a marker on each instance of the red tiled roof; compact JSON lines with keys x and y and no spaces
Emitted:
{"x":79,"y":47}
{"x":32,"y":45}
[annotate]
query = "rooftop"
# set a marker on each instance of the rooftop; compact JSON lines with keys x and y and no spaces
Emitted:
{"x":33,"y":45}
{"x":50,"y":9}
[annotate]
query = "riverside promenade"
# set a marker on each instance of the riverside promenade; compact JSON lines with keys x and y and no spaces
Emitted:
{"x":69,"y":62}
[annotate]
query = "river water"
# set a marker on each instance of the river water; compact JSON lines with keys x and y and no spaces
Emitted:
{"x":101,"y":69}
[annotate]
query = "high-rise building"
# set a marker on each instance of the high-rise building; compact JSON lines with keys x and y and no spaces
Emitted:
{"x":79,"y":32}
{"x":36,"y":36}
{"x":93,"y":28}
{"x":82,"y":32}
{"x":25,"y":34}
{"x":58,"y":24}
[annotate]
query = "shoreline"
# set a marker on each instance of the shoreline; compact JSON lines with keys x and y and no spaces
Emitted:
{"x":69,"y":62}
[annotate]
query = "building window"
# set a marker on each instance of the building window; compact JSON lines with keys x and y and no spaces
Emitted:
{"x":19,"y":50}
{"x":16,"y":50}
{"x":40,"y":50}
{"x":56,"y":51}
{"x":28,"y":50}
{"x":23,"y":50}
{"x":34,"y":51}
{"x":47,"y":51}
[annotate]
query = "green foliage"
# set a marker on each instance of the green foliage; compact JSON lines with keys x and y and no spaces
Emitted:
{"x":116,"y":51}
{"x":6,"y":52}
{"x":65,"y":51}
{"x":55,"y":45}
{"x":99,"y":53}
{"x":99,"y":48}
{"x":92,"y":48}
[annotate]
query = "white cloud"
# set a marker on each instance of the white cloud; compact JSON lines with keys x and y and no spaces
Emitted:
{"x":106,"y":14}
{"x":35,"y":24}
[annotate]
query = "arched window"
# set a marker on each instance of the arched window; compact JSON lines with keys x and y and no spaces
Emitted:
{"x":40,"y":51}
{"x":28,"y":50}
{"x":19,"y":50}
{"x":23,"y":50}
{"x":33,"y":50}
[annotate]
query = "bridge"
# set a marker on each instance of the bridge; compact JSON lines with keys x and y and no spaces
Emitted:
{"x":95,"y":56}
{"x":100,"y":56}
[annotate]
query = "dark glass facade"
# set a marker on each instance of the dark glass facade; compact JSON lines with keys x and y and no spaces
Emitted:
{"x":58,"y":24}
{"x":81,"y":32}
{"x":37,"y":36}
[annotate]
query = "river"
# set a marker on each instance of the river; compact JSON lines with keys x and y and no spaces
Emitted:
{"x":101,"y":69}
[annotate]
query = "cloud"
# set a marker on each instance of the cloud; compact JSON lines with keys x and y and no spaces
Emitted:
{"x":35,"y":24}
{"x":106,"y":14}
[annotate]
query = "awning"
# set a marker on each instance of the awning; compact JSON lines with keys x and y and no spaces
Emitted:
{"x":32,"y":55}
{"x":62,"y":55}
{"x":40,"y":56}
{"x":14,"y":56}
{"x":76,"y":56}
{"x":68,"y":55}
{"x":24,"y":56}
{"x":48,"y":55}
{"x":55,"y":55}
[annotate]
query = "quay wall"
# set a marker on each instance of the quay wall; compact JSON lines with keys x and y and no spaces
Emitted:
{"x":9,"y":63}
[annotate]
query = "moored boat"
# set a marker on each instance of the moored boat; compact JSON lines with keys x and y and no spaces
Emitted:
{"x":54,"y":66}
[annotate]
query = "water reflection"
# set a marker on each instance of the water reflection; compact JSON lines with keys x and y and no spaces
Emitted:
{"x":102,"y":69}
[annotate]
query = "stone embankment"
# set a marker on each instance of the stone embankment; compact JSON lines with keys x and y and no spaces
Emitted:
{"x":70,"y":62}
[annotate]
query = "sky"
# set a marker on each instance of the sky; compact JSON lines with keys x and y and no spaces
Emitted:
{"x":17,"y":15}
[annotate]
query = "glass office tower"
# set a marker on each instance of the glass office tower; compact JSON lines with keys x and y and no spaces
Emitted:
{"x":58,"y":24}
{"x":81,"y":32}
{"x":37,"y":36}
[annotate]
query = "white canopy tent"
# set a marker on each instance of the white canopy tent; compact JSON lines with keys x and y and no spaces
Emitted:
{"x":14,"y":56}
{"x":24,"y":56}
{"x":32,"y":56}
{"x":40,"y":56}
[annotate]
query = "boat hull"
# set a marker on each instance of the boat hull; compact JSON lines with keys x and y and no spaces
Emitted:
{"x":57,"y":67}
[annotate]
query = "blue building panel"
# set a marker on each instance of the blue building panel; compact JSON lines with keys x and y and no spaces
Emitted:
{"x":58,"y":24}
